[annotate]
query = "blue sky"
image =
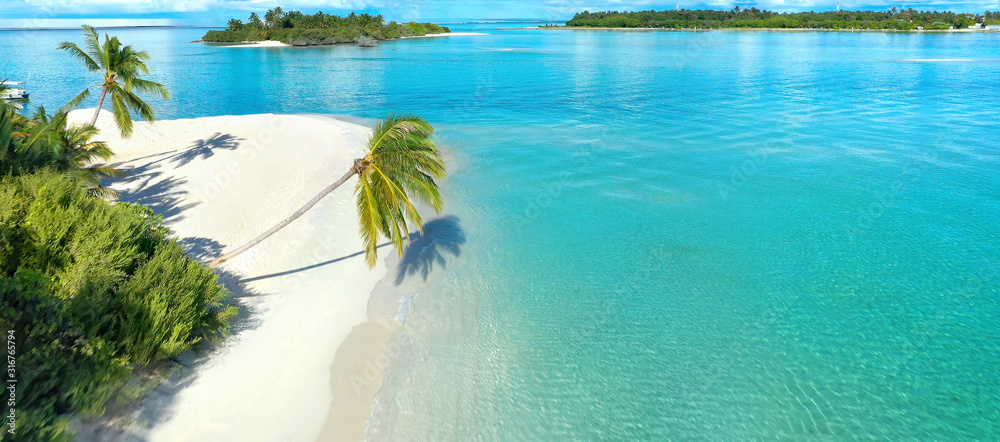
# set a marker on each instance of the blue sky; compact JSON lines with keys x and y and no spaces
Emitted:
{"x":58,"y":13}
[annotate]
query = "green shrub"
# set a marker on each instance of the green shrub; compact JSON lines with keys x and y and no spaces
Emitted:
{"x":416,"y":28}
{"x":91,"y":290}
{"x":392,"y":30}
{"x":232,"y":35}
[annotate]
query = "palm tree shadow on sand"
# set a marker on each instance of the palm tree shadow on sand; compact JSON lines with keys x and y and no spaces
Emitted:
{"x":206,"y":148}
{"x":442,"y":237}
{"x":144,"y":184}
{"x":163,"y":195}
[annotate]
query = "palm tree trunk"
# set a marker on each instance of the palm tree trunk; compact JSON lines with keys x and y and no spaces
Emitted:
{"x":97,"y":112}
{"x":354,"y":170}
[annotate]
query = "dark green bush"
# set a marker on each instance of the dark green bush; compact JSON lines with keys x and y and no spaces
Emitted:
{"x":229,"y":35}
{"x":91,"y":289}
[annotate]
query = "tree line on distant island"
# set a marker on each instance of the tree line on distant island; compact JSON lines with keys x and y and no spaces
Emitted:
{"x":298,"y":29}
{"x":894,"y":19}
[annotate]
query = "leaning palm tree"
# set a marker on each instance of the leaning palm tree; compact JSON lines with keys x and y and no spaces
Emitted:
{"x":122,"y":67}
{"x":402,"y":164}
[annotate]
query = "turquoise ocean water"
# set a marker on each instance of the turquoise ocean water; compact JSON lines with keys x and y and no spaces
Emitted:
{"x":726,"y":235}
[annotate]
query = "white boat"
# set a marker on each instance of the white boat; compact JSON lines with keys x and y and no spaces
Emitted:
{"x":13,"y":90}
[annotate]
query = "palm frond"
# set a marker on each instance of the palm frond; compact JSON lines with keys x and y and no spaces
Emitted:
{"x":137,"y":105}
{"x":120,"y":110}
{"x":394,"y":129}
{"x":79,"y":54}
{"x":394,"y":191}
{"x":106,"y":51}
{"x":77,"y":100}
{"x":93,"y":44}
{"x":102,"y":192}
{"x":150,"y":87}
{"x":37,"y":136}
{"x":370,"y":219}
{"x":105,"y":171}
{"x":8,"y":143}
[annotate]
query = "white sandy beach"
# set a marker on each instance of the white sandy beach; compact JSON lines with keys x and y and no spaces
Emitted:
{"x":278,"y":44}
{"x":259,"y":44}
{"x":219,"y":181}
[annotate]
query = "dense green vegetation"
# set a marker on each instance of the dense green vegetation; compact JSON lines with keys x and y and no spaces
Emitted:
{"x":298,"y":29}
{"x":91,"y":290}
{"x":906,"y":19}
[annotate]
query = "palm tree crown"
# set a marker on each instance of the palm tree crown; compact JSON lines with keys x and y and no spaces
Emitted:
{"x":402,"y":162}
{"x":402,"y":165}
{"x":122,"y":66}
{"x":48,"y":142}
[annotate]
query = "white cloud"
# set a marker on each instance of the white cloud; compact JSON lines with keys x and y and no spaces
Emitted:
{"x":76,"y":22}
{"x":57,"y":7}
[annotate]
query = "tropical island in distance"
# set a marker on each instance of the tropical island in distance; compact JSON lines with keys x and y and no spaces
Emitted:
{"x":753,"y":18}
{"x":298,"y":29}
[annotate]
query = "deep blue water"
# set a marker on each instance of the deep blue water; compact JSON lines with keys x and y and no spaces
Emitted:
{"x":725,"y":235}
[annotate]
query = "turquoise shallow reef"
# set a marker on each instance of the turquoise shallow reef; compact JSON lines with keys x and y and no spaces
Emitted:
{"x":664,"y":235}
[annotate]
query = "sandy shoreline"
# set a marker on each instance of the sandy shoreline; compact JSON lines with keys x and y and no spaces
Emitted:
{"x":219,"y":181}
{"x":278,"y":44}
{"x":258,"y":44}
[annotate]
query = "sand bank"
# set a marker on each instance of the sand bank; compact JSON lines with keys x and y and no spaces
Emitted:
{"x":258,"y":44}
{"x":278,"y":44}
{"x":218,"y":182}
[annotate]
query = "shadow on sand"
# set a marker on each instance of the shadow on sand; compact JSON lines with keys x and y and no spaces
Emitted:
{"x":145,"y":186}
{"x":206,"y":148}
{"x":443,"y":236}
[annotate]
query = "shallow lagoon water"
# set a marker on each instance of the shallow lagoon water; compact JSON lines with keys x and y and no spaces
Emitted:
{"x":676,"y":235}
